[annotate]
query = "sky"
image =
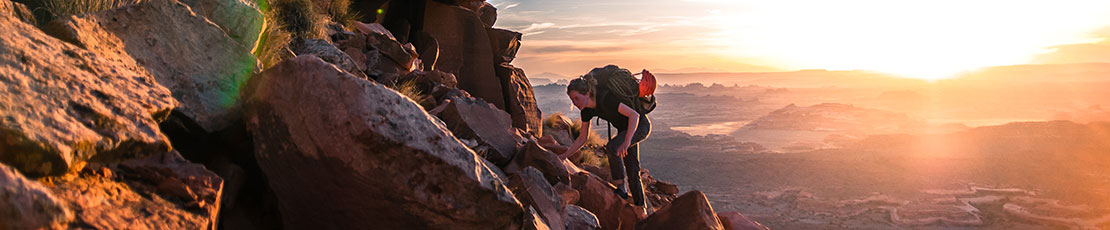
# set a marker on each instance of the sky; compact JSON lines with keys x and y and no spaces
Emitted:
{"x":918,"y":39}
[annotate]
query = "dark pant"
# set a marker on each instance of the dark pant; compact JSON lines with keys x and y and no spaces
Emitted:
{"x":630,"y":165}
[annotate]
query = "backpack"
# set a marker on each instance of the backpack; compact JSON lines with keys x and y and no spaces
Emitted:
{"x":613,"y":81}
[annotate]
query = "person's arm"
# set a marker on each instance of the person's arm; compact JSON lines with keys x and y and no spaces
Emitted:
{"x":584,"y":134}
{"x":633,"y":122}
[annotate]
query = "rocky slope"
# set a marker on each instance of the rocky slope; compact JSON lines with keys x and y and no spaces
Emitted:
{"x":158,"y":115}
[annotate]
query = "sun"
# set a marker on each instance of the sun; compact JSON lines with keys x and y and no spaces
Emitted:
{"x":916,"y":39}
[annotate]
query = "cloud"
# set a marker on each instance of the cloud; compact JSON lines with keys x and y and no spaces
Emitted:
{"x":1079,"y":53}
{"x":537,"y":28}
{"x":551,"y":49}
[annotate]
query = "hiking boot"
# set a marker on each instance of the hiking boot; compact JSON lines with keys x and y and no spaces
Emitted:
{"x":620,"y":192}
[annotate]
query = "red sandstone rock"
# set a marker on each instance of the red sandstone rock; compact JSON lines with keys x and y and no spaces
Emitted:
{"x":689,"y":211}
{"x":364,"y":156}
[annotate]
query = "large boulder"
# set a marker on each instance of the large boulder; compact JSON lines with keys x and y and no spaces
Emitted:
{"x":579,"y":218}
{"x":241,"y":19}
{"x":473,"y":118}
{"x":689,"y":211}
{"x":345,"y":153}
{"x":162,"y":191}
{"x":62,"y":105}
{"x":520,"y":99}
{"x":464,"y":50}
{"x":598,"y":197}
{"x":532,"y":189}
{"x":534,"y":155}
{"x":26,"y":204}
{"x":737,"y":221}
{"x":201,"y":65}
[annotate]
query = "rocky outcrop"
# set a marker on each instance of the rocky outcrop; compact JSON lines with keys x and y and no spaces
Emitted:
{"x":240,"y":19}
{"x":737,"y":221}
{"x":689,"y":211}
{"x":464,"y":50}
{"x":521,"y":100}
{"x":201,"y":65}
{"x":505,"y":44}
{"x":597,"y":196}
{"x":474,"y":119}
{"x":366,"y":156}
{"x":26,"y":204}
{"x":532,"y":190}
{"x":162,"y":191}
{"x":62,"y":105}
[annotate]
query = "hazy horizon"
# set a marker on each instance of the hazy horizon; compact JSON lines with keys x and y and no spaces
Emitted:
{"x":928,"y":40}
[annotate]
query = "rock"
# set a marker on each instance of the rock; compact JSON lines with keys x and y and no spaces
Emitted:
{"x":26,"y":204}
{"x":240,"y":19}
{"x":327,"y":52}
{"x":17,"y":10}
{"x":664,"y":188}
{"x":601,"y":172}
{"x":549,"y":142}
{"x":579,"y":218}
{"x":374,"y":28}
{"x":378,"y":54}
{"x":689,"y":211}
{"x":428,"y":79}
{"x":62,"y":105}
{"x":464,"y":50}
{"x":737,"y":221}
{"x":597,"y":196}
{"x":366,"y":156}
{"x":488,"y":14}
{"x":201,"y":65}
{"x":520,"y":99}
{"x":533,"y":221}
{"x":162,"y":191}
{"x":473,"y":118}
{"x":533,"y":190}
{"x":505,"y":44}
{"x":533,"y":155}
{"x":569,"y":194}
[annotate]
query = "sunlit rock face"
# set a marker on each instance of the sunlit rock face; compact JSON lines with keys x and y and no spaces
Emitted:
{"x":63,"y":105}
{"x":365,"y":156}
{"x":201,"y":65}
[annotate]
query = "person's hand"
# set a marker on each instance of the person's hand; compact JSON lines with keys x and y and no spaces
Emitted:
{"x":623,"y":150}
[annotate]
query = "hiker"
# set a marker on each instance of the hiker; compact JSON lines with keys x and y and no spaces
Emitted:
{"x":605,"y":101}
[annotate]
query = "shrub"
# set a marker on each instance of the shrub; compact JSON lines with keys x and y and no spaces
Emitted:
{"x":341,"y":12}
{"x":298,"y":17}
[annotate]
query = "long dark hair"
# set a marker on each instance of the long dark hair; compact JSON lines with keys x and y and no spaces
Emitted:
{"x":582,"y":85}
